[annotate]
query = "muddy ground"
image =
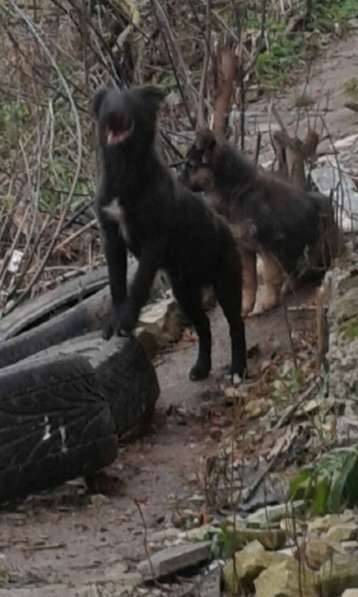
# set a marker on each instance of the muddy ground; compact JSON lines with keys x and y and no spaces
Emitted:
{"x":68,"y":536}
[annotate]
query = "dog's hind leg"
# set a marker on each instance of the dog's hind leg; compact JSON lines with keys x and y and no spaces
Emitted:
{"x":273,"y":277}
{"x":190,"y":299}
{"x":244,"y":234}
{"x":228,"y":291}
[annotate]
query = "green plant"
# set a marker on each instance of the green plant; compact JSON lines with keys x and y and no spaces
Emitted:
{"x":274,"y":64}
{"x":286,"y":50}
{"x":330,"y":485}
{"x":350,"y":328}
{"x":327,"y":13}
{"x":224,"y":542}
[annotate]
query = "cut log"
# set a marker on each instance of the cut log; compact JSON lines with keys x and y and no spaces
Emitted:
{"x":292,"y":154}
{"x":61,"y":411}
{"x":227,"y":62}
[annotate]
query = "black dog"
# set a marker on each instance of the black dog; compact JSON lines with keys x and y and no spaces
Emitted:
{"x":140,"y":206}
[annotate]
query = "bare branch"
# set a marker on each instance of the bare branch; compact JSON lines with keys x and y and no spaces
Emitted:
{"x":67,"y":202}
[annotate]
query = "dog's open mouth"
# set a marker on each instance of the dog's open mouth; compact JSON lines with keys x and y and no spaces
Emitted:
{"x":118,"y":128}
{"x":115,"y":137}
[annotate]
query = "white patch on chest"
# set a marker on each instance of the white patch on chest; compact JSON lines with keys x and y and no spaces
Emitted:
{"x":117,"y":213}
{"x":62,"y":430}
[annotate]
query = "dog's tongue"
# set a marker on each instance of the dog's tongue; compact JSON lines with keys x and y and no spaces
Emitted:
{"x":114,"y":138}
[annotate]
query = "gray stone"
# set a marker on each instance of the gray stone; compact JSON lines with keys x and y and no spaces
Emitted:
{"x":353,"y":23}
{"x":342,"y":283}
{"x":339,"y":574}
{"x":249,"y":563}
{"x":163,"y":320}
{"x":286,"y":580}
{"x":343,"y":532}
{"x":288,"y":551}
{"x":346,"y":307}
{"x":266,"y":516}
{"x":293,"y":526}
{"x":319,"y":550}
{"x":210,"y":586}
{"x":324,"y":523}
{"x":326,"y":177}
{"x":350,"y":546}
{"x":173,"y":559}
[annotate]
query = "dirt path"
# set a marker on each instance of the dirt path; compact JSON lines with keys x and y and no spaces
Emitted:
{"x":70,"y":537}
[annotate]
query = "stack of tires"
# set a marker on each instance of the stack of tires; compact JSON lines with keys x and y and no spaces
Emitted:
{"x":66,"y":396}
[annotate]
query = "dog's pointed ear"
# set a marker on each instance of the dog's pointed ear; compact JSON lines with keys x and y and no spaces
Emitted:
{"x":207,"y":142}
{"x":98,"y":99}
{"x":153,"y":94}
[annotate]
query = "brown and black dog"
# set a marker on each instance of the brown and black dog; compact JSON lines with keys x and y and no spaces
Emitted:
{"x":268,"y":216}
{"x":142,"y":208}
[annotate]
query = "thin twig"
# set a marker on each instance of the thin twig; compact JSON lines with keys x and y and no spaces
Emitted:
{"x":288,"y":414}
{"x":145,"y":538}
{"x":75,"y":235}
{"x":289,"y":334}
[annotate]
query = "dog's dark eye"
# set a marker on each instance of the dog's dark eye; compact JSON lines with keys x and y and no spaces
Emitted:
{"x":195,"y":158}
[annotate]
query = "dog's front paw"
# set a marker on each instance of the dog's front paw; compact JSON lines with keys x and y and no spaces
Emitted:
{"x":236,"y":379}
{"x":233,"y":380}
{"x":126,"y":320}
{"x":120,"y":323}
{"x":200,"y":371}
{"x":108,"y":328}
